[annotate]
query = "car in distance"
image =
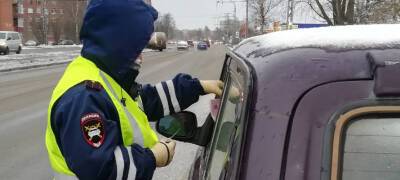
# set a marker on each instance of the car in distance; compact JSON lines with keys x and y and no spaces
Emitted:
{"x":158,"y":41}
{"x":30,"y":43}
{"x":10,"y":41}
{"x":319,"y":104}
{"x":182,"y":45}
{"x":201,"y":45}
{"x":66,"y":42}
{"x":190,"y":43}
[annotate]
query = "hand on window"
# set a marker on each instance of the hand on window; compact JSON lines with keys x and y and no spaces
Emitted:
{"x":212,"y":86}
{"x":234,"y":95}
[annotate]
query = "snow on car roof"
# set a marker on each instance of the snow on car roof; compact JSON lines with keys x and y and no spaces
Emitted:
{"x":384,"y":36}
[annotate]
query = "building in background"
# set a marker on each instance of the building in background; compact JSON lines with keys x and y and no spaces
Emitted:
{"x":6,"y":15}
{"x":45,"y":21}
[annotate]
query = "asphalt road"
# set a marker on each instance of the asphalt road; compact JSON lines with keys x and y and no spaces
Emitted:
{"x":24,"y":96}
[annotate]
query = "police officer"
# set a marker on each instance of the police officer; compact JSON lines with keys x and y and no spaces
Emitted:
{"x":98,"y":117}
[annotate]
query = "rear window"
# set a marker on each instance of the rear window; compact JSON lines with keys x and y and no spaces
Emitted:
{"x":366,"y":144}
{"x":372,"y":149}
{"x":2,"y":35}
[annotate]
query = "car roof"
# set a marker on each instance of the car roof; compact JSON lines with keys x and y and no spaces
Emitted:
{"x":333,"y":38}
{"x":286,"y":65}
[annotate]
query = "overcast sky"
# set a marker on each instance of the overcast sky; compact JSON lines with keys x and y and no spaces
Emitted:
{"x":191,"y":14}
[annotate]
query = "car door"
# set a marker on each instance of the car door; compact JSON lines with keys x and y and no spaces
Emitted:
{"x":9,"y":40}
{"x":220,"y":159}
{"x":17,"y":41}
{"x":13,"y":42}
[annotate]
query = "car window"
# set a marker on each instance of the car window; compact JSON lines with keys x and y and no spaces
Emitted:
{"x":2,"y":35}
{"x":372,"y":149}
{"x":15,"y":36}
{"x":228,"y":122}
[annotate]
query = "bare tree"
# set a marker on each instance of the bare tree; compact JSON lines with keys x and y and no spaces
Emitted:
{"x":38,"y":29}
{"x":166,"y":24}
{"x":56,"y":25}
{"x":73,"y":16}
{"x":334,"y":12}
{"x":262,"y":10}
{"x":207,"y":32}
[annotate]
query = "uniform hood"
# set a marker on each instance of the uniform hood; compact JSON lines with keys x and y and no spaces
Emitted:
{"x":114,"y":33}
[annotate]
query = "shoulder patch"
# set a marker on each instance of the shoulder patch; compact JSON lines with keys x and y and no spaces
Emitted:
{"x":93,"y":129}
{"x":93,"y":85}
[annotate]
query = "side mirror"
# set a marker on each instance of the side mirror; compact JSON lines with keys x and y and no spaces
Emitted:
{"x":9,"y":38}
{"x":182,"y":126}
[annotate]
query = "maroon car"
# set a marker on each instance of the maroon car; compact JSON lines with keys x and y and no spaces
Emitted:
{"x":311,"y":104}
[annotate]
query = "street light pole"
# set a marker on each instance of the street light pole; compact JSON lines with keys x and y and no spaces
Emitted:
{"x":247,"y":10}
{"x":247,"y":19}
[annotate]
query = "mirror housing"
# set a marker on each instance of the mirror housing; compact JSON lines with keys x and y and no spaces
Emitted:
{"x":182,"y":126}
{"x":9,"y":38}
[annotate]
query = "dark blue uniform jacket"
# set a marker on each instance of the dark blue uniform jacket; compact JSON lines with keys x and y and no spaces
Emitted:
{"x":84,"y":120}
{"x":88,"y":162}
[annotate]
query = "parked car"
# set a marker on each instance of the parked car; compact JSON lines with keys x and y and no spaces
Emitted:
{"x":31,"y":43}
{"x":10,"y":41}
{"x":65,"y":42}
{"x":158,"y":41}
{"x":202,"y":45}
{"x":319,"y":103}
{"x":182,"y":45}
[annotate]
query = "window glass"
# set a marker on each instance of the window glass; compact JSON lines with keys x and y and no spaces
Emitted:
{"x":14,"y":36}
{"x":372,"y":149}
{"x":226,"y":128}
{"x":2,"y":35}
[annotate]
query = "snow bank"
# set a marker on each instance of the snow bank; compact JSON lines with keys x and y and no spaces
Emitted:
{"x":43,"y":46}
{"x":24,"y":61}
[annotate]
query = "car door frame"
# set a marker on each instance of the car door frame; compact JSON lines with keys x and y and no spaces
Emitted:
{"x":246,"y":116}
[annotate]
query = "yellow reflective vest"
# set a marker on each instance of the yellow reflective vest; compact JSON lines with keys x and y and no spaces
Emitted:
{"x":134,"y":124}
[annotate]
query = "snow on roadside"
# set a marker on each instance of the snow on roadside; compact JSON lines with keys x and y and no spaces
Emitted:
{"x":21,"y":61}
{"x":50,"y":46}
{"x":24,"y":61}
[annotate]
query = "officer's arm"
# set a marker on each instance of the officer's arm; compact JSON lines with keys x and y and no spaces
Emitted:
{"x":170,"y":96}
{"x":88,"y":134}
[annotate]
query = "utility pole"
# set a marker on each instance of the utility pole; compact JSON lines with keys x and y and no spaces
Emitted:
{"x":234,"y":10}
{"x":290,"y":14}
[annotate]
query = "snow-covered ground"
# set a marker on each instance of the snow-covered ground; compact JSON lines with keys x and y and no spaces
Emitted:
{"x":25,"y":61}
{"x":51,"y":47}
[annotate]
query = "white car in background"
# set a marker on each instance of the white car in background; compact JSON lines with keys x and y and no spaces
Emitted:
{"x":10,"y":41}
{"x":31,"y":43}
{"x":182,"y":45}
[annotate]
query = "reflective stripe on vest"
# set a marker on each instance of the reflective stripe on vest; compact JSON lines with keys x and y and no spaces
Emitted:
{"x":137,"y":132}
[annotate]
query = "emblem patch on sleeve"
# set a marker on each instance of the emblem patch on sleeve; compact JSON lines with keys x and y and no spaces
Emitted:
{"x":93,"y":129}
